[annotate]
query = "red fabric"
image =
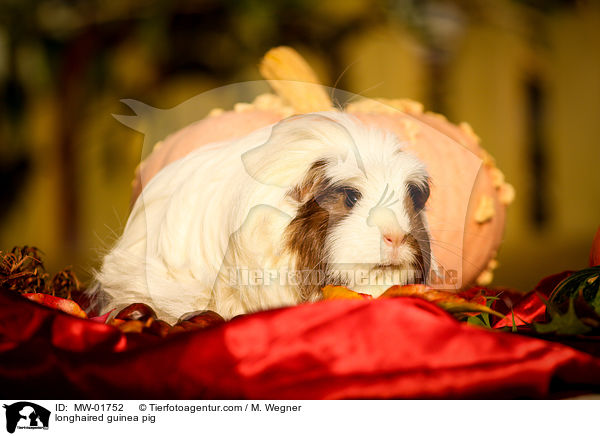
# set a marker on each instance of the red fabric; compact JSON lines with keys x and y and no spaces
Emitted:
{"x":530,"y":308}
{"x":392,"y":348}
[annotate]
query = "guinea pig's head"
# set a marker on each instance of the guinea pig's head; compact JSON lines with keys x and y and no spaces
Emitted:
{"x":359,"y":202}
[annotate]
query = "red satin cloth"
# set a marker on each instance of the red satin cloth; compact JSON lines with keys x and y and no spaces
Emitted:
{"x":392,"y":348}
{"x":529,"y":308}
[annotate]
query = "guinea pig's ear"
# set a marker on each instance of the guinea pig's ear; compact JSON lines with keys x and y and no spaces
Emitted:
{"x":294,"y":145}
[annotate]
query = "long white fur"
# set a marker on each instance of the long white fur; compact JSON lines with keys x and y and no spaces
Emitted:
{"x":226,"y":205}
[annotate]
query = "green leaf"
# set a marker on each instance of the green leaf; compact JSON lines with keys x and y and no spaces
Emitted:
{"x":490,"y":299}
{"x":466,"y":306}
{"x":596,"y":301}
{"x":476,"y":320}
{"x":486,"y":319}
{"x":562,"y":324}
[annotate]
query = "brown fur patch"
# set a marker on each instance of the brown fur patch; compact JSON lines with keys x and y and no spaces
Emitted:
{"x":418,"y":239}
{"x":322,"y":205}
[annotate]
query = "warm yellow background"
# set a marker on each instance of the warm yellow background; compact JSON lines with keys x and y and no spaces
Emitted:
{"x":499,"y":45}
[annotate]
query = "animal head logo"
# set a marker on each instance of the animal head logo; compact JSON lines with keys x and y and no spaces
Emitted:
{"x":26,"y":415}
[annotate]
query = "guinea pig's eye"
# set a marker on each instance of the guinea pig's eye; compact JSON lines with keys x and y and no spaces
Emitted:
{"x":418,"y":195}
{"x":351,"y":196}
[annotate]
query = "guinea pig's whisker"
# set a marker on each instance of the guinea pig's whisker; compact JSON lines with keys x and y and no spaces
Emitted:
{"x":333,"y":88}
{"x":448,"y":246}
{"x":437,"y":243}
{"x":360,"y":94}
{"x":440,"y":229}
{"x":432,"y":227}
{"x":315,"y":268}
{"x":324,"y":260}
{"x":425,"y":250}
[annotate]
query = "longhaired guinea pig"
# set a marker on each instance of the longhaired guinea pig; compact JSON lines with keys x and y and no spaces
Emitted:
{"x":268,"y":219}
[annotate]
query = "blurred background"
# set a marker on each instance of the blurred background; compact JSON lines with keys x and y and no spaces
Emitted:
{"x":525,"y":74}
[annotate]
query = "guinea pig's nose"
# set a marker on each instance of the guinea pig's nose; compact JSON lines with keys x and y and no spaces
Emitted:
{"x":394,"y":238}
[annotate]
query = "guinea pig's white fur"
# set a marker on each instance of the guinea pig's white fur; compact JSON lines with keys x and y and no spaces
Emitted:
{"x":234,"y":226}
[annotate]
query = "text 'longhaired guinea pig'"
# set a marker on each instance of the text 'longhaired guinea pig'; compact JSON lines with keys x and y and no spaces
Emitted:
{"x":267,"y":220}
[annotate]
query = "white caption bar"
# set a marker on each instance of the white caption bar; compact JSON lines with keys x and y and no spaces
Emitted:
{"x":43,"y":417}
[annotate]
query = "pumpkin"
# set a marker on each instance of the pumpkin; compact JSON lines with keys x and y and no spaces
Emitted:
{"x":466,"y":209}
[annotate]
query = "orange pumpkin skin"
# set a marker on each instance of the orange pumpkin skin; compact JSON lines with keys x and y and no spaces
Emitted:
{"x":461,"y":176}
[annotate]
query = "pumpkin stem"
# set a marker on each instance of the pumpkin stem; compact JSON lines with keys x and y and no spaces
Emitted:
{"x":294,"y":80}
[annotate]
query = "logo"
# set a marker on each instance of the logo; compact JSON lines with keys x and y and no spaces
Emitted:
{"x":26,"y":415}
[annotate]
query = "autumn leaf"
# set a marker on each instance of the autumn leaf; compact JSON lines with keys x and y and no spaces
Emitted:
{"x":563,"y":324}
{"x":331,"y":292}
{"x":449,"y":301}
